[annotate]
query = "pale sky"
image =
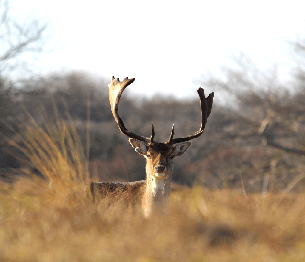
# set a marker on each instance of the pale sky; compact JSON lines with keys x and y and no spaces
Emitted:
{"x":165,"y":45}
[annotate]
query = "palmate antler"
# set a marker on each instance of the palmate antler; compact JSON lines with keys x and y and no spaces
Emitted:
{"x":116,"y":88}
{"x":206,"y":107}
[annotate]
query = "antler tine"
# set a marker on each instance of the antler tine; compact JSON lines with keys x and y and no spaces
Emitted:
{"x":152,"y":134}
{"x":116,"y":88}
{"x":206,"y":107}
{"x":172,"y":134}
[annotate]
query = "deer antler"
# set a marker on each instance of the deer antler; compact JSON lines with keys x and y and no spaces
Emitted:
{"x":206,"y":107}
{"x":116,"y":89}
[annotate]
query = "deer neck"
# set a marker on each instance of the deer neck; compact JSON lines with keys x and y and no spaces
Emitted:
{"x":157,"y":195}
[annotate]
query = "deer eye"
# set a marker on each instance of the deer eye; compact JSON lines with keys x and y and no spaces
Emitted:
{"x":148,"y":156}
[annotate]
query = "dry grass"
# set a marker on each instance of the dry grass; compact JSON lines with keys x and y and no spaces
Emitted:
{"x":39,"y":223}
{"x":55,"y":220}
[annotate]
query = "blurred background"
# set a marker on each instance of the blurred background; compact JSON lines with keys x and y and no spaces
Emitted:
{"x":57,"y":58}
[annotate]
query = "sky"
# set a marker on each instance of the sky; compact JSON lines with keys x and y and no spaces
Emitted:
{"x":165,"y":45}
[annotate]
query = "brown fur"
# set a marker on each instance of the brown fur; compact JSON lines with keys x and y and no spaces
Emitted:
{"x":130,"y":192}
{"x":149,"y":194}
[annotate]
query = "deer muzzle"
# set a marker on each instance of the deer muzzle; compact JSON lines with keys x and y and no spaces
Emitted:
{"x":160,"y":168}
{"x":160,"y":172}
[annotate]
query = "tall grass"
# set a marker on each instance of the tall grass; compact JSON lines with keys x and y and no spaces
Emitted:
{"x":53,"y":218}
{"x":54,"y":151}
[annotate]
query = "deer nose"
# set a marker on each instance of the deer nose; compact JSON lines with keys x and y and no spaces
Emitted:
{"x":160,"y":169}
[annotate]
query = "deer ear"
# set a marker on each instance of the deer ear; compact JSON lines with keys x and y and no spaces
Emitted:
{"x":180,"y":148}
{"x":139,"y":146}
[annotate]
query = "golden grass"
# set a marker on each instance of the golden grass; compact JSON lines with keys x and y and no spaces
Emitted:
{"x":55,"y":220}
{"x":42,"y":224}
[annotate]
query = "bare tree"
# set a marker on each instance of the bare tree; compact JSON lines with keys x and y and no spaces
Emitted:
{"x":18,"y":39}
{"x":19,"y":43}
{"x":267,"y":109}
{"x":299,"y":69}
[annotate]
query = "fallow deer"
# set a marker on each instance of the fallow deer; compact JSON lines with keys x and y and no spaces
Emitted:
{"x":153,"y":193}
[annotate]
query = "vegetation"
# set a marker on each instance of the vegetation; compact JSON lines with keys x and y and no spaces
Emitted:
{"x":47,"y":214}
{"x":256,"y":145}
{"x":21,"y":41}
{"x":43,"y":221}
{"x":54,"y":219}
{"x":57,"y":133}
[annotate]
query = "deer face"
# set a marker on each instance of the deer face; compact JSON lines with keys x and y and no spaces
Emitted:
{"x":159,"y":156}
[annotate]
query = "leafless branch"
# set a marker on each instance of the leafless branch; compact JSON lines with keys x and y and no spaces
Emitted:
{"x":18,"y":38}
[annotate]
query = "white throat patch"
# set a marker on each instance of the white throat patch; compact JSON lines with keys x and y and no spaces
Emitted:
{"x":160,"y":175}
{"x":157,"y":186}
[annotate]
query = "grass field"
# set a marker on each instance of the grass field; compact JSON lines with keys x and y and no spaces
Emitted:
{"x":39,"y":223}
{"x":55,"y":220}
